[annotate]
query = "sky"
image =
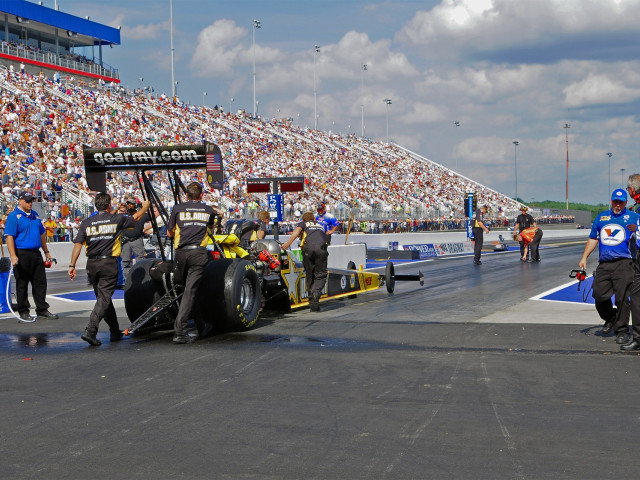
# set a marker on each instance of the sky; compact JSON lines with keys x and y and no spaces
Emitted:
{"x":466,"y":78}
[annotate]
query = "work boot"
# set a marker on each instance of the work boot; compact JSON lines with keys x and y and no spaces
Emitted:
{"x":25,"y":316}
{"x":182,"y":338}
{"x":90,"y":338}
{"x":623,"y":338}
{"x":314,"y":302}
{"x":48,"y":315}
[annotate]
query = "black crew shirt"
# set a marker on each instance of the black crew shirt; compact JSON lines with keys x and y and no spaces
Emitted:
{"x":101,"y":233}
{"x":312,"y":233}
{"x":190,"y":220}
{"x":478,"y":218}
{"x":524,"y":221}
{"x":138,"y":230}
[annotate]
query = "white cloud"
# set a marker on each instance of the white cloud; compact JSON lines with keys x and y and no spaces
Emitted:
{"x":223,"y":46}
{"x":598,"y":89}
{"x":422,"y":113}
{"x":145,"y":32}
{"x":462,"y":27}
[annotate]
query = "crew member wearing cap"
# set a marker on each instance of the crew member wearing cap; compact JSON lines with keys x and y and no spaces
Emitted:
{"x":314,"y":256}
{"x":25,"y":236}
{"x":100,"y":233}
{"x":610,"y":232}
{"x":478,"y":229}
{"x":328,"y":221}
{"x":188,"y":225}
{"x":523,"y":221}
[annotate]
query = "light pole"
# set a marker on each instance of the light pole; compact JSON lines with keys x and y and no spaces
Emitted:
{"x":609,"y":154}
{"x":566,"y":130}
{"x":388,"y":102}
{"x":316,"y":49}
{"x":256,"y":25}
{"x":622,"y":176}
{"x":515,"y":164}
{"x":231,"y":106}
{"x":364,"y":69}
{"x":456,"y":124}
{"x":173,"y":80}
{"x":204,"y":94}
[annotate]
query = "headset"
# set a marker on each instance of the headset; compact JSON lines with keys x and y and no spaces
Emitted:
{"x":580,"y":274}
{"x":49,"y":263}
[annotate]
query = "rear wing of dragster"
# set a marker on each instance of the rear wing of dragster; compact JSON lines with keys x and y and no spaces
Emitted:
{"x":99,"y":161}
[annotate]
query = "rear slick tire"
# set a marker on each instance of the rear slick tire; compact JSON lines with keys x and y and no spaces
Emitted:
{"x":229,"y":295}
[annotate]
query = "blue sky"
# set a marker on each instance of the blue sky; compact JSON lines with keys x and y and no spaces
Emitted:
{"x":504,"y":69}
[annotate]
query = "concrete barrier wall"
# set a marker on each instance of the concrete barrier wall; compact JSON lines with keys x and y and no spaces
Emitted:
{"x":439,"y":243}
{"x":382,"y":240}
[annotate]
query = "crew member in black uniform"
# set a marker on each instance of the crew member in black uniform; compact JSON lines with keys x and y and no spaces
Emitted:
{"x":523,"y":221}
{"x":263,"y":229}
{"x":258,"y":232}
{"x":478,"y":236}
{"x":188,"y":226}
{"x":314,"y":256}
{"x":100,"y":234}
{"x":133,"y":239}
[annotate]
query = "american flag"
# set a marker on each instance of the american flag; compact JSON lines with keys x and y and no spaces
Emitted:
{"x":213,"y":162}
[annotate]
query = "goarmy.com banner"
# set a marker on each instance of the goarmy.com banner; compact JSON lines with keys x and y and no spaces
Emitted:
{"x":165,"y":157}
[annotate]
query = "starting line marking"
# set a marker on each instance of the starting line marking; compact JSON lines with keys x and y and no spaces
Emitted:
{"x":568,"y":293}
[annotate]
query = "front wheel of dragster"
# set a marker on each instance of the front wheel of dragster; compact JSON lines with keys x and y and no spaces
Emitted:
{"x":389,"y":277}
{"x":229,"y":295}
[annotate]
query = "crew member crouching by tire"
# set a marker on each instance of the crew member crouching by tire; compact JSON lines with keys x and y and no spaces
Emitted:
{"x":529,"y":238}
{"x":314,"y":256}
{"x":100,"y":233}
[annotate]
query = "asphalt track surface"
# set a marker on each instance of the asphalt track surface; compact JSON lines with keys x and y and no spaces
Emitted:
{"x":464,"y":378}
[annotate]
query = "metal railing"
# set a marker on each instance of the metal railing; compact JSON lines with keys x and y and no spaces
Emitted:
{"x":56,"y":60}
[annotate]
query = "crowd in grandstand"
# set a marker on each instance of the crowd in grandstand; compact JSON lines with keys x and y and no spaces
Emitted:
{"x":45,"y":124}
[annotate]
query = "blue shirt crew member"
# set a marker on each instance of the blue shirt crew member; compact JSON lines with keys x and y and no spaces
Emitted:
{"x":314,"y":256}
{"x":188,"y":226}
{"x":611,"y":232}
{"x":25,"y":236}
{"x":328,"y":221}
{"x":100,"y":234}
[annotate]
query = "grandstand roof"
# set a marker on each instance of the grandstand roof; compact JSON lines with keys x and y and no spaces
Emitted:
{"x":45,"y":20}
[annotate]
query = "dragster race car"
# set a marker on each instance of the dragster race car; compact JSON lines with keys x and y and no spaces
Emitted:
{"x":239,"y":282}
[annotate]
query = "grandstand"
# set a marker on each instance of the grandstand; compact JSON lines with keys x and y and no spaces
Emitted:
{"x":45,"y":124}
{"x":42,"y":39}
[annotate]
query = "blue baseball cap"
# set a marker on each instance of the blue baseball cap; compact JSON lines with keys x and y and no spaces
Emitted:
{"x":619,"y":194}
